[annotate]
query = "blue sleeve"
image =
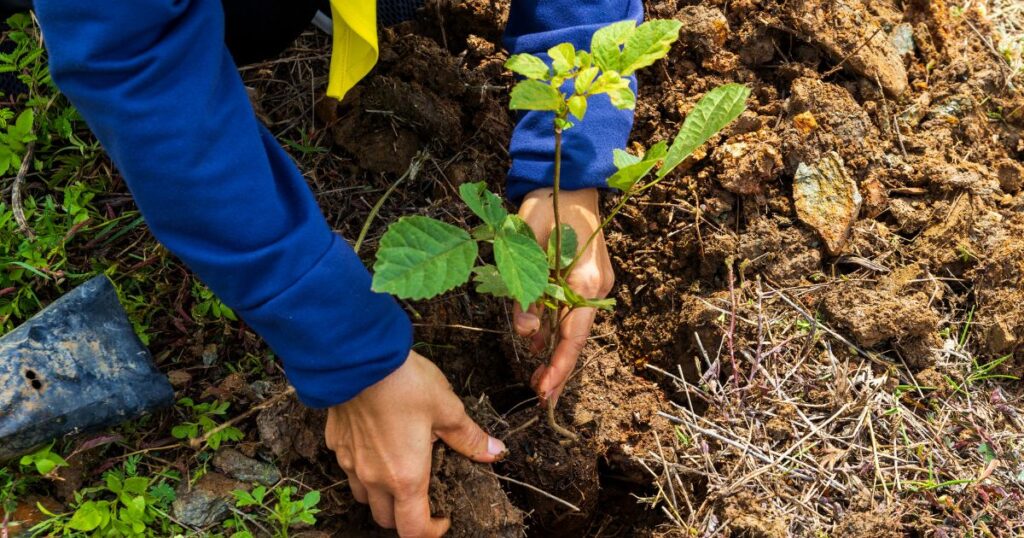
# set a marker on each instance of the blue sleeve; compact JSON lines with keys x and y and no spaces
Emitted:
{"x":534,"y":26}
{"x":155,"y":82}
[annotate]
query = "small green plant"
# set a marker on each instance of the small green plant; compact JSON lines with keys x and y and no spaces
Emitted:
{"x":44,"y":460}
{"x":125,"y":505}
{"x":208,"y":305}
{"x":204,"y":424}
{"x":421,"y":257}
{"x":285,"y":513}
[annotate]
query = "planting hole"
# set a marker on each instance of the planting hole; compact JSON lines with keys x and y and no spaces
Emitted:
{"x":30,"y":374}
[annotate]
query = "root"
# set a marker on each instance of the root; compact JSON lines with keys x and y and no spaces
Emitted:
{"x":561,"y":430}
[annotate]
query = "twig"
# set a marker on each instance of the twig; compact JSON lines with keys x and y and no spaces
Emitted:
{"x":839,"y":65}
{"x":198,"y":442}
{"x":522,"y":427}
{"x":571,"y":506}
{"x":19,"y":180}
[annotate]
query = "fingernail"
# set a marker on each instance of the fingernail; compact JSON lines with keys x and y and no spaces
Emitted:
{"x":495,"y":447}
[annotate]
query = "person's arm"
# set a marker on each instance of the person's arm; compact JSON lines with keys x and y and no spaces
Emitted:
{"x":155,"y":82}
{"x":534,"y":27}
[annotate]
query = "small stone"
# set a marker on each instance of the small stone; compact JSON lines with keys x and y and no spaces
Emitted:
{"x":747,"y":162}
{"x":827,"y":199}
{"x":1011,"y":176}
{"x":208,"y":502}
{"x":179,"y":378}
{"x":951,"y":109}
{"x":237,"y":465}
{"x":902,"y":38}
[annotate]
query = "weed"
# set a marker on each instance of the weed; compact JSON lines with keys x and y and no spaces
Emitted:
{"x":208,"y":306}
{"x":44,"y":460}
{"x":285,"y":513}
{"x":125,"y":505}
{"x":204,"y":422}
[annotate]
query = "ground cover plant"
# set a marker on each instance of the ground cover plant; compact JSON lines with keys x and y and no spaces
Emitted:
{"x":758,"y":377}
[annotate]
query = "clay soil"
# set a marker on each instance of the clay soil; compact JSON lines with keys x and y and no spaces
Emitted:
{"x":756,"y":379}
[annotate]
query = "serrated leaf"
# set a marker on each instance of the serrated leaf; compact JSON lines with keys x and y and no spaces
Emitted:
{"x":578,"y":106}
{"x":713,"y":112}
{"x":483,"y":203}
{"x":420,"y":257}
{"x":649,"y":43}
{"x":522,"y":265}
{"x":563,"y":57}
{"x":488,"y":280}
{"x":569,"y":246}
{"x":623,"y":159}
{"x":604,"y":46}
{"x":516,"y":224}
{"x":585,"y":79}
{"x":534,"y":95}
{"x":631,"y":172}
{"x":528,"y":66}
{"x":623,"y":98}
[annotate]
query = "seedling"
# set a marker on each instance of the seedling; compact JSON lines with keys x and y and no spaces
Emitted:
{"x":421,"y":257}
{"x":205,"y":424}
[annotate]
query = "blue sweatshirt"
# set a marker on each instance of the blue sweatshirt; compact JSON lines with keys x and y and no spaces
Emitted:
{"x":156,"y":84}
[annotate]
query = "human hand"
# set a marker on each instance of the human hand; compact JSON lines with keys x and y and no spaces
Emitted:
{"x":592,"y":277}
{"x":383,"y":437}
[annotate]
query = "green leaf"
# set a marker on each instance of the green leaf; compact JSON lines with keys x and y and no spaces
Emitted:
{"x":583,"y":59}
{"x":516,"y":224}
{"x":89,"y":516}
{"x":623,"y":159}
{"x":713,"y":112}
{"x":563,"y":57}
{"x":522,"y":265}
{"x":535,"y":95}
{"x":628,"y":175}
{"x":600,"y":304}
{"x":584,"y":79}
{"x":483,"y":203}
{"x":622,"y":98}
{"x":488,"y":281}
{"x":578,"y":106}
{"x":420,"y":257}
{"x":569,"y":246}
{"x":528,"y":66}
{"x":311,"y":499}
{"x":649,"y":43}
{"x":604,"y":46}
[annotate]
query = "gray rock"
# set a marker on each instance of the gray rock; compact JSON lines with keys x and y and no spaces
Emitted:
{"x":827,"y":199}
{"x":237,"y":465}
{"x":902,"y":38}
{"x":208,"y":502}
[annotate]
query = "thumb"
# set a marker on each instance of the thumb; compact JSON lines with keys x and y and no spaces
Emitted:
{"x":458,"y":431}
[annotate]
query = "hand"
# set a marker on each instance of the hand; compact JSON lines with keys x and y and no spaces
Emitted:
{"x":592,"y":277}
{"x":383,"y":439}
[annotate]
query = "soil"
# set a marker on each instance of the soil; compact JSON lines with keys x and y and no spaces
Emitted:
{"x":931,"y":135}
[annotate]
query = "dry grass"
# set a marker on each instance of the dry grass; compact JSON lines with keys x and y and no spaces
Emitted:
{"x":816,"y":437}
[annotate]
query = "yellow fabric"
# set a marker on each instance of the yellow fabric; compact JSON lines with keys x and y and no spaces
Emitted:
{"x":354,"y":51}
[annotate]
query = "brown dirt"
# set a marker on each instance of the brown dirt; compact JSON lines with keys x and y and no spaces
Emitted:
{"x":930,"y":136}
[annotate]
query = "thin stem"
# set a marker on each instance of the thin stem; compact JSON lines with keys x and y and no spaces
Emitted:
{"x":411,"y":172}
{"x":554,"y":203}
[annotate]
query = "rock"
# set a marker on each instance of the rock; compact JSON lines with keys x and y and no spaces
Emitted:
{"x":746,"y":162}
{"x":291,"y":430}
{"x":848,"y":32}
{"x":179,"y":378}
{"x":208,"y":501}
{"x":827,"y":199}
{"x":902,"y":38}
{"x":241,"y":467}
{"x":876,"y":200}
{"x":704,"y":28}
{"x":1011,"y":175}
{"x":951,"y":109}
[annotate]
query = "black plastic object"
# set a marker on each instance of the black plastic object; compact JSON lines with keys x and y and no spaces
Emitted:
{"x":74,"y":367}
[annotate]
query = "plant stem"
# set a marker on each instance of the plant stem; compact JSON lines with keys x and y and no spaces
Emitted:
{"x":411,"y":172}
{"x":554,"y":203}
